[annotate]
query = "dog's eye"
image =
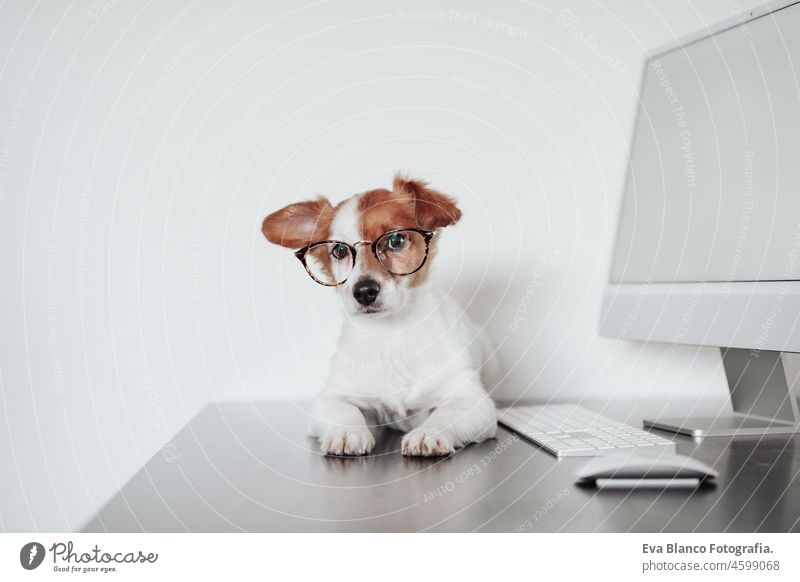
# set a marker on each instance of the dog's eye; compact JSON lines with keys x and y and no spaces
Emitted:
{"x":339,"y":251}
{"x":396,"y":241}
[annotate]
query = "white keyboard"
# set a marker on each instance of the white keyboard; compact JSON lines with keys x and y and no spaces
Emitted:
{"x":567,"y":430}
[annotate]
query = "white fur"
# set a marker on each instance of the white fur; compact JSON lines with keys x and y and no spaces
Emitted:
{"x":415,"y":366}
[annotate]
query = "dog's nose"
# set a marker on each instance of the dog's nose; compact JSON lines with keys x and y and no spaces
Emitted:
{"x":366,"y":290}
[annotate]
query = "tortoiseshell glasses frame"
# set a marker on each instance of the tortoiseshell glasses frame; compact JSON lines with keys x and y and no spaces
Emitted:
{"x":426,"y":235}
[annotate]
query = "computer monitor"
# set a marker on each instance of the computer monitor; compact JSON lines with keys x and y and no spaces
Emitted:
{"x":708,"y":242}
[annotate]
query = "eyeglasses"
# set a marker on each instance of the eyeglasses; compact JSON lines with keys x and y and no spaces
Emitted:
{"x":401,"y":252}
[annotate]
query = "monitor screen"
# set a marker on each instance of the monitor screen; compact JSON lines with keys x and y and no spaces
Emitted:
{"x":713,"y":186}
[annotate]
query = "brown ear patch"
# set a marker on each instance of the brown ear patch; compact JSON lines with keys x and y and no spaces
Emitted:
{"x":299,"y":224}
{"x":432,"y":209}
{"x":382,"y":210}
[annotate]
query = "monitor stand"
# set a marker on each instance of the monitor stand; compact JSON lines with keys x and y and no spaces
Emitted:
{"x":764,"y":393}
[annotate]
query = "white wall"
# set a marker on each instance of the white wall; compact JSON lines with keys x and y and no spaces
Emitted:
{"x":142,"y":144}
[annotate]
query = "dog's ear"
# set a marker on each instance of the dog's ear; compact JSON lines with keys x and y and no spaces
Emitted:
{"x":433,"y":209}
{"x":299,"y":224}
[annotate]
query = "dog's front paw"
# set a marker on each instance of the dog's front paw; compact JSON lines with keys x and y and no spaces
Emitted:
{"x":354,"y":441}
{"x":422,"y":443}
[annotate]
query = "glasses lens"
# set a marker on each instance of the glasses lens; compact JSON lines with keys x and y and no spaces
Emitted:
{"x":330,"y":263}
{"x":402,"y":252}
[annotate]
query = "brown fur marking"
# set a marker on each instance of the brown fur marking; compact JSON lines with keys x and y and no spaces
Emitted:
{"x":299,"y":224}
{"x":432,"y":208}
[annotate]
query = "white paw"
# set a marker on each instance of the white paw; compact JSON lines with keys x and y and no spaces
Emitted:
{"x":420,"y":443}
{"x":354,"y":441}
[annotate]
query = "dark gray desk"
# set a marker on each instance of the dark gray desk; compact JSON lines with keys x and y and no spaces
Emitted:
{"x":250,"y":467}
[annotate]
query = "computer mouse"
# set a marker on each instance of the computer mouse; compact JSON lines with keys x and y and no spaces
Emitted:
{"x":631,"y":466}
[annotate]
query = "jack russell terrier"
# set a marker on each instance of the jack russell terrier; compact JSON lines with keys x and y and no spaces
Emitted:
{"x":407,"y":357}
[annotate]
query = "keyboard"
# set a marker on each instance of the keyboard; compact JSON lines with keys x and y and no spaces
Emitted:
{"x":568,"y":430}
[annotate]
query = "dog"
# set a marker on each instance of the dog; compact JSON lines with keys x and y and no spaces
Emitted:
{"x":407,"y":356}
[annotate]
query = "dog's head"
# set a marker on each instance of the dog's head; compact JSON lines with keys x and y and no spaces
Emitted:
{"x":375,"y":247}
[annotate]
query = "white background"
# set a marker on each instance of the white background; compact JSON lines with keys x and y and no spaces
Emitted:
{"x":141,"y":144}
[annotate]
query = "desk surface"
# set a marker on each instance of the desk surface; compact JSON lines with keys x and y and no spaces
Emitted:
{"x":250,"y":467}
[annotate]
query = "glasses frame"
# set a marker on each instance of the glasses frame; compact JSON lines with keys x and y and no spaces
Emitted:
{"x":426,"y":234}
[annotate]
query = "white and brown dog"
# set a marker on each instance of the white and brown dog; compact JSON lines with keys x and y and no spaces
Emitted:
{"x":407,"y":357}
